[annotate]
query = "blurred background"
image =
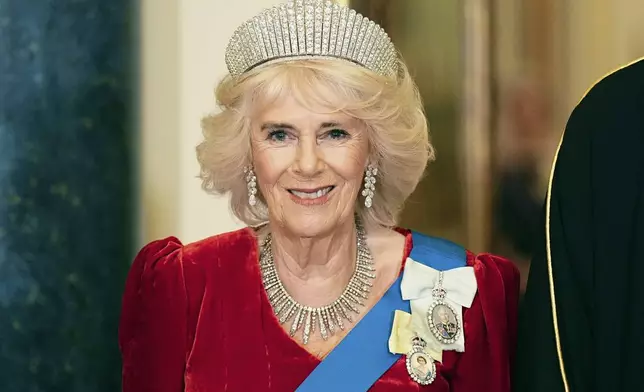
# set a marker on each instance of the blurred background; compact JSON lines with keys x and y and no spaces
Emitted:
{"x":100,"y":103}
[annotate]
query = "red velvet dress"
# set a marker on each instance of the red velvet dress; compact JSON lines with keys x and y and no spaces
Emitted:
{"x":196,"y":318}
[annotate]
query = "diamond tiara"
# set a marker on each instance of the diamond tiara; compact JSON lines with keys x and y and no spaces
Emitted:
{"x":301,"y":29}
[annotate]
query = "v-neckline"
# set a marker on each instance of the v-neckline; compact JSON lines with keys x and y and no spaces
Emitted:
{"x":266,"y":306}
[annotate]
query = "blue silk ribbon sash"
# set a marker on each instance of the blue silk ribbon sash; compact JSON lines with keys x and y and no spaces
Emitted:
{"x":363,"y":356}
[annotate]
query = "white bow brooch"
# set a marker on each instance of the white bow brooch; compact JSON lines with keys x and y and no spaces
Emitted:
{"x":437,"y":299}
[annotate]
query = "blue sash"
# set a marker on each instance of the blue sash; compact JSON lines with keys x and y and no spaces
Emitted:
{"x":363,"y":356}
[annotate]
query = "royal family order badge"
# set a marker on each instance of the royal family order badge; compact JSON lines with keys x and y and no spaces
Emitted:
{"x":441,"y":317}
{"x":420,"y":365}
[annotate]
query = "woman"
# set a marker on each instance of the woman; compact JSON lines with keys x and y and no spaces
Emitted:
{"x":581,"y":325}
{"x":320,"y":140}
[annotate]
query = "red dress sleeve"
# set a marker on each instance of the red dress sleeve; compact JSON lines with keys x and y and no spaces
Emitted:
{"x":490,"y":327}
{"x":154,"y":330}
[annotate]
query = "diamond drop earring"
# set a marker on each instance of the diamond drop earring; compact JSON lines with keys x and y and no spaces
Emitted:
{"x":251,"y":182}
{"x":369,"y":185}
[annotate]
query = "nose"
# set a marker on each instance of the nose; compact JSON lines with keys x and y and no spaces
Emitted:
{"x":308,"y":161}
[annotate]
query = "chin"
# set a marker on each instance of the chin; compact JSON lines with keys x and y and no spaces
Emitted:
{"x":310,"y":226}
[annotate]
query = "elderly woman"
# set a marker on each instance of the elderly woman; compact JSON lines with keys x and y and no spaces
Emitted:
{"x":320,"y":139}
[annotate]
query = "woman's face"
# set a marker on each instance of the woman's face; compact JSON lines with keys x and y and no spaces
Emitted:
{"x":309,"y":165}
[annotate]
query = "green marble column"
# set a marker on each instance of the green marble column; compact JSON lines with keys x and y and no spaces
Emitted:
{"x":66,"y":190}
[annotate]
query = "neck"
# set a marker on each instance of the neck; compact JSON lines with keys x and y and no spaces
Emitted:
{"x":318,"y":269}
{"x":318,"y":257}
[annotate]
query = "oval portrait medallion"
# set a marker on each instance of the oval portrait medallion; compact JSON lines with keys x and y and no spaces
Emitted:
{"x":421,"y":366}
{"x":443,"y":322}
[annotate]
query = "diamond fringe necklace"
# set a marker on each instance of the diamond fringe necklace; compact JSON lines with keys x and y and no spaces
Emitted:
{"x":327,"y":318}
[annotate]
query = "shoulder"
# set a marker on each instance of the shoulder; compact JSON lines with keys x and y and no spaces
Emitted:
{"x":218,"y":247}
{"x":163,"y":300}
{"x":170,"y":252}
{"x":444,"y":254}
{"x":168,"y":267}
{"x":486,"y":263}
{"x":616,"y":98}
{"x":168,"y":277}
{"x":612,"y":88}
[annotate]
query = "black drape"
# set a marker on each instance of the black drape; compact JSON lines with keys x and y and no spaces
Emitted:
{"x":596,"y":231}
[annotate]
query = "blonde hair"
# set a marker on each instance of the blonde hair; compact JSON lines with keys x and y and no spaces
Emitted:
{"x":390,"y":107}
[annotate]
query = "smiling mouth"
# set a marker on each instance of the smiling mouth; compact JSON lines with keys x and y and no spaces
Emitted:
{"x":311,"y":194}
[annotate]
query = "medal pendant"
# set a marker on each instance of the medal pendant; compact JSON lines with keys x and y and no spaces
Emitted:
{"x":420,"y":365}
{"x":442,"y":317}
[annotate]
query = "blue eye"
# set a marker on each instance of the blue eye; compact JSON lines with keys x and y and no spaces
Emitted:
{"x":277,"y":135}
{"x":337,"y":134}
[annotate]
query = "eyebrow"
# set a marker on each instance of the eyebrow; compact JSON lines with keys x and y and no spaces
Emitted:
{"x":272,"y":125}
{"x":329,"y":124}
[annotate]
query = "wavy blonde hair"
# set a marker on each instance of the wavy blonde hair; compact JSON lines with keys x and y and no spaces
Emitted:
{"x":390,"y":107}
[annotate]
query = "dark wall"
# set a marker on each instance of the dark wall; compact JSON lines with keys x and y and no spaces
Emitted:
{"x":66,"y":190}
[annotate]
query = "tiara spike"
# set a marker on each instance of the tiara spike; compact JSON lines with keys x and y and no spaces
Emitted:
{"x":326,"y":27}
{"x":250,"y":36}
{"x":285,"y":38}
{"x":361,"y":30}
{"x":348,"y":32}
{"x":318,"y":19}
{"x":367,"y":43}
{"x":342,"y":27}
{"x":301,"y":26}
{"x":335,"y":26}
{"x":263,"y":35}
{"x":277,"y":31}
{"x":268,"y":21}
{"x":309,"y":25}
{"x":299,"y":29}
{"x":292,"y":27}
{"x":354,"y":40}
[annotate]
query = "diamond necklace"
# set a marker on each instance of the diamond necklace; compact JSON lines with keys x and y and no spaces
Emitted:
{"x":330,"y":317}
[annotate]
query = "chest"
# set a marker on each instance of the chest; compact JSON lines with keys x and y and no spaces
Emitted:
{"x":239,"y":345}
{"x":320,"y":348}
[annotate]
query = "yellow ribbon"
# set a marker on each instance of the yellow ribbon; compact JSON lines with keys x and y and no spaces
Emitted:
{"x":404,"y":329}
